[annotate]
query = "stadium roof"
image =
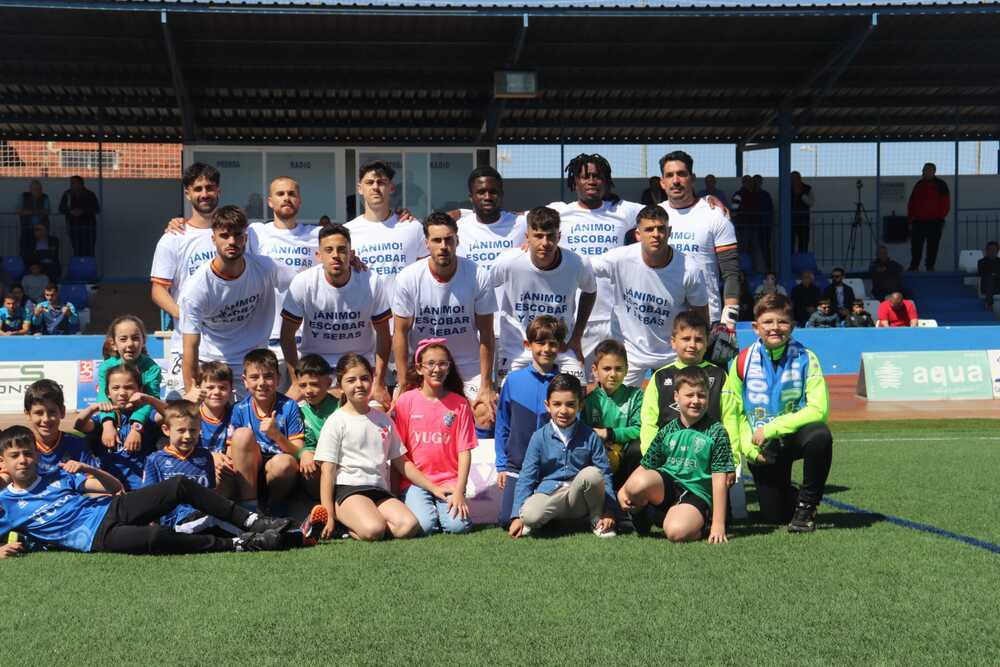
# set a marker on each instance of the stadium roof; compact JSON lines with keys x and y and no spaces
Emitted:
{"x":383,"y":72}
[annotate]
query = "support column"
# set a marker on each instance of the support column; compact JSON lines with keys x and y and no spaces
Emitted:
{"x":739,"y":160}
{"x":784,"y":256}
{"x":956,"y":250}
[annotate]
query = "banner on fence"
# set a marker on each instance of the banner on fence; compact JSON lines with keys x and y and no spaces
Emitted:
{"x":929,"y":376}
{"x":16,"y":377}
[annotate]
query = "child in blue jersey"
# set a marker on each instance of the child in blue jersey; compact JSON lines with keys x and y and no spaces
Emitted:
{"x":126,"y":341}
{"x":126,"y":458}
{"x":52,"y":317}
{"x":521,"y":408}
{"x":82,"y":508}
{"x":15,"y":318}
{"x":44,"y":408}
{"x":183,"y":456}
{"x":268,"y":433}
{"x":215,"y":393}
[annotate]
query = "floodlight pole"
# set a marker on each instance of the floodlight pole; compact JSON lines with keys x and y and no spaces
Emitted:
{"x":785,"y":132}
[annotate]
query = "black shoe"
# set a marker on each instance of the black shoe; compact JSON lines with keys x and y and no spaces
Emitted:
{"x":268,"y":540}
{"x":641,"y":522}
{"x":804,"y":519}
{"x":264,"y":523}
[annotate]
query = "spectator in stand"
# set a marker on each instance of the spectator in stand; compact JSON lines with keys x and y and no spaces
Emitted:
{"x":859,"y":317}
{"x":823,"y":317}
{"x":35,"y":282}
{"x":896,"y":311}
{"x":886,"y":274}
{"x":42,"y":248}
{"x":989,"y":273}
{"x":710,"y":189}
{"x":769,"y":286}
{"x":929,"y":204}
{"x":746,"y":299}
{"x":33,"y":207}
{"x":805,"y":297}
{"x":52,"y":317}
{"x":841,"y":296}
{"x":654,"y":194}
{"x":80,"y":206}
{"x":324,"y":220}
{"x":744,"y":205}
{"x":802,"y":200}
{"x":765,"y":219}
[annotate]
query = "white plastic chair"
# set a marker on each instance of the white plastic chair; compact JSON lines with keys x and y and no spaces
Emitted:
{"x":968,"y":260}
{"x":858,"y":285}
{"x":926,"y":323}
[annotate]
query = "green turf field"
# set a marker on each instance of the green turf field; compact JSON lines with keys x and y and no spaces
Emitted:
{"x":859,"y":590}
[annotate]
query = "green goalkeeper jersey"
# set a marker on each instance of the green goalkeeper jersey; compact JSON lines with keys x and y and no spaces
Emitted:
{"x":691,"y":454}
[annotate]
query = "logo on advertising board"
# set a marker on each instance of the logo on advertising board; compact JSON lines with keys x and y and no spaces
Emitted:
{"x":928,"y":376}
{"x":15,"y":378}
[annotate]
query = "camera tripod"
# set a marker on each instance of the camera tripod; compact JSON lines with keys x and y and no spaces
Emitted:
{"x":861,"y":220}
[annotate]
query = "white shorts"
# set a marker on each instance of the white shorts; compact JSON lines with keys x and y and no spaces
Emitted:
{"x":595,"y":332}
{"x":566,"y":362}
{"x":636,"y":374}
{"x":471,"y":387}
{"x":284,"y":378}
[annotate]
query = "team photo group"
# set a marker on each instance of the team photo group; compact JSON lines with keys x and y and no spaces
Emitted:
{"x":353,"y":369}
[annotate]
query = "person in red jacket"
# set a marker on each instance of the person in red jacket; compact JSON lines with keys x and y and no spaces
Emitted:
{"x":896,"y":311}
{"x":929,"y":204}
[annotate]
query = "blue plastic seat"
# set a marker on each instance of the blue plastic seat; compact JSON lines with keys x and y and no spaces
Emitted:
{"x":81,"y":270}
{"x":76,"y":294}
{"x":13,"y":265}
{"x":804,"y":261}
{"x":746,"y":262}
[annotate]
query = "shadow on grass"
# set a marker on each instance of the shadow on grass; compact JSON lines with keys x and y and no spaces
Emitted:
{"x":825,"y":520}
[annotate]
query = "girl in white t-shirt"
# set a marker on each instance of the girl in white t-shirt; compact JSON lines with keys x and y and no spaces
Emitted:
{"x":356,"y":447}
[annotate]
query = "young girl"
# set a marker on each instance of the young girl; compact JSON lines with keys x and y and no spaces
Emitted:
{"x":126,"y":341}
{"x":437,"y":428}
{"x":356,"y":446}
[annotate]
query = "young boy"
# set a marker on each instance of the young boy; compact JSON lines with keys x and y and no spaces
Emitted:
{"x":126,"y":459}
{"x":36,"y":281}
{"x":824,"y":317}
{"x":182,"y":457}
{"x":15,"y":319}
{"x":313,"y":375}
{"x":774,"y":406}
{"x":45,"y":407}
{"x":52,"y":317}
{"x":82,"y":508}
{"x":689,"y":338}
{"x":268,"y":433}
{"x":613,"y":409}
{"x":521,"y":406}
{"x":859,"y":317}
{"x":565,"y":474}
{"x":685,"y":469}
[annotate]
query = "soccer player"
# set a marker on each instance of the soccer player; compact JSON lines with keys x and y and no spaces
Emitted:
{"x":543,"y":280}
{"x":285,"y":242}
{"x":774,"y":406}
{"x":227,"y":306}
{"x":179,"y":255}
{"x":341,"y":311}
{"x":383,"y":242}
{"x":314,"y":378}
{"x":15,"y":318}
{"x":52,"y":317}
{"x":215,"y":392}
{"x":44,"y":408}
{"x":651,"y":282}
{"x":268,"y":433}
{"x":82,"y":508}
{"x":449,"y":297}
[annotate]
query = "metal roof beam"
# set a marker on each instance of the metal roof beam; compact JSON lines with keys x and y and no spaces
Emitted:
{"x":180,"y":88}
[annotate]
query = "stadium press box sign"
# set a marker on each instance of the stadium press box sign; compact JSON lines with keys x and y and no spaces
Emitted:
{"x":17,"y":376}
{"x":928,"y":376}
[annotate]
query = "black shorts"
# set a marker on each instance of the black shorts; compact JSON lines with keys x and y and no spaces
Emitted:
{"x":374,"y":493}
{"x":675,"y":494}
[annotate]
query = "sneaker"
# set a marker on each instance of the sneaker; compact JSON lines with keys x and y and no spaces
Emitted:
{"x":804,"y":519}
{"x":604,"y":533}
{"x":313,"y":526}
{"x":268,"y":540}
{"x":264,"y":523}
{"x":641,"y":522}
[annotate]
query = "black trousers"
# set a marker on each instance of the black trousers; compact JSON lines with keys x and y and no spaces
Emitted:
{"x":813,"y":444}
{"x":83,"y":237}
{"x":925,"y":230}
{"x":130,"y":527}
{"x":800,"y":234}
{"x":631,"y":457}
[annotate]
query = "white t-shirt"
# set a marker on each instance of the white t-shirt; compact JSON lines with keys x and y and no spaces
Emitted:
{"x":235,"y":315}
{"x":699,"y":232}
{"x":387,"y":247}
{"x":337,"y":320}
{"x":528,"y":292}
{"x":176,"y":258}
{"x":593,"y":232}
{"x":483,"y":243}
{"x":647,"y":300}
{"x":294,"y":249}
{"x":362,"y":446}
{"x":446,"y":310}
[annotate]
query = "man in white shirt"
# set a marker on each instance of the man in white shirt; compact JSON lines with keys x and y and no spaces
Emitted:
{"x":284,"y":241}
{"x":383,"y":242}
{"x":447,"y":296}
{"x":543,"y":280}
{"x":227,"y":306}
{"x":705,"y":234}
{"x":339,"y":310}
{"x":652,"y":283}
{"x":178,"y":256}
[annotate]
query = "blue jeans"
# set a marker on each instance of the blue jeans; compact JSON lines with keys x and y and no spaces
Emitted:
{"x":432,"y":514}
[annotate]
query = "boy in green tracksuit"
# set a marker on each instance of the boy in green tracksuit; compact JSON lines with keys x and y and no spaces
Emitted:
{"x":612,"y":410}
{"x":774,"y":406}
{"x":684,"y":471}
{"x":313,"y":376}
{"x":689,"y":338}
